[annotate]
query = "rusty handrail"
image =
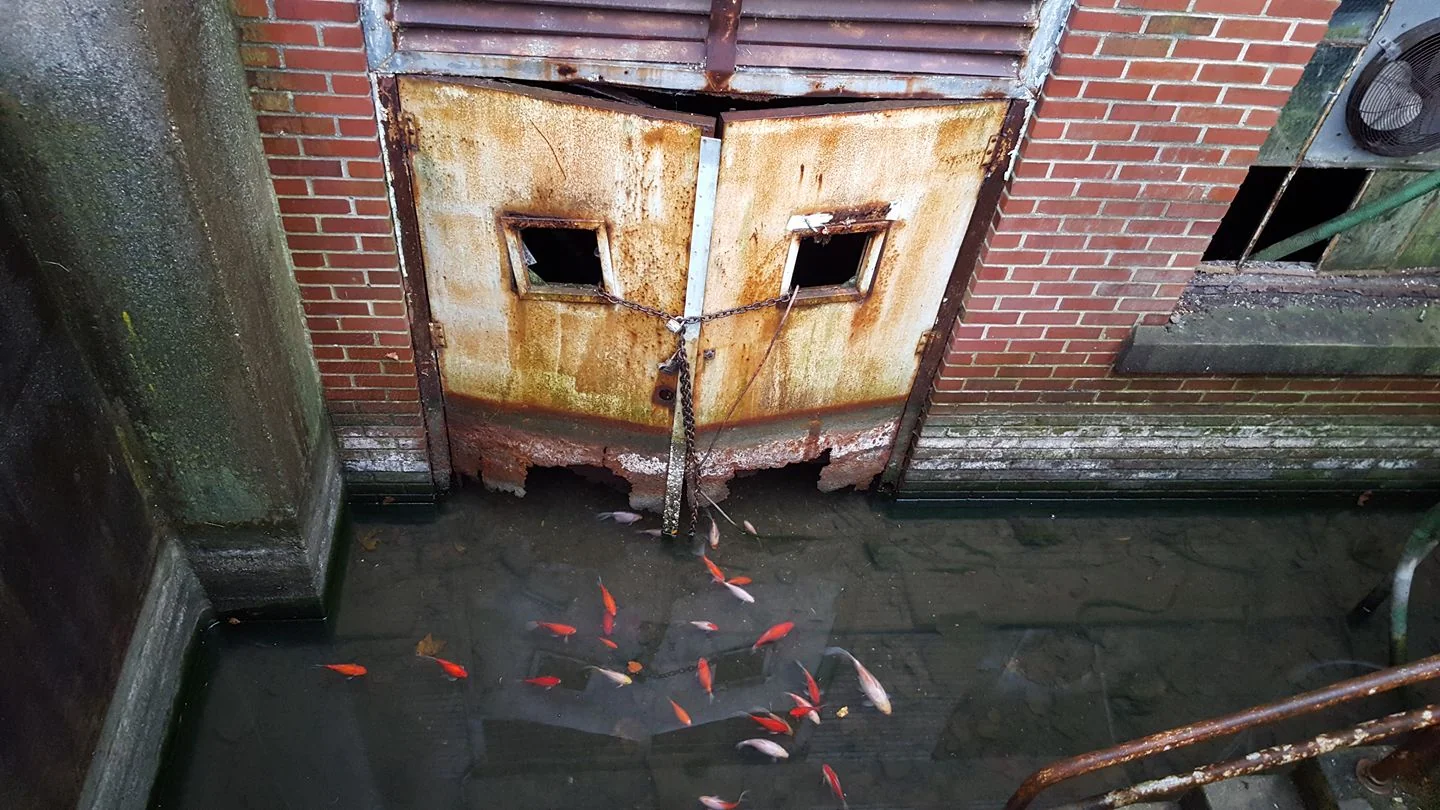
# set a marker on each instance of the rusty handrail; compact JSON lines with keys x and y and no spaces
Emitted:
{"x":1370,"y":731}
{"x":1354,"y":689}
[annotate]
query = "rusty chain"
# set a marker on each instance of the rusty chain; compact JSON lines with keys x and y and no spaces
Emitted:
{"x":677,"y":324}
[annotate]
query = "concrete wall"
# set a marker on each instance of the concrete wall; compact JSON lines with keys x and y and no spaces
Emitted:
{"x":133,"y":161}
{"x":78,"y":544}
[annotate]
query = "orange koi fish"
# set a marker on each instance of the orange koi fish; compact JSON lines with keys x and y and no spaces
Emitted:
{"x":772,"y":724}
{"x":607,"y":623}
{"x":717,"y":803}
{"x":453,"y":671}
{"x":680,"y":714}
{"x":739,"y":580}
{"x":715,"y":572}
{"x":829,"y":778}
{"x":773,"y":635}
{"x":707,"y":677}
{"x":547,"y":682}
{"x":606,"y":598}
{"x":810,"y":685}
{"x":563,"y":631}
{"x":608,"y":643}
{"x":348,"y":670}
{"x":708,"y":627}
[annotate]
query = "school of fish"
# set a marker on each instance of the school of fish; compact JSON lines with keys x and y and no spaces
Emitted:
{"x":807,"y":706}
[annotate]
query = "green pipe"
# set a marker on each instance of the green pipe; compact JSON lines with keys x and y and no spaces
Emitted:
{"x":1349,"y":219}
{"x":1422,"y":541}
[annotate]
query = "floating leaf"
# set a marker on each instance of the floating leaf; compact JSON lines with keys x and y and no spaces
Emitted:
{"x":370,"y":540}
{"x":461,"y":548}
{"x":634,"y":667}
{"x":1364,"y":498}
{"x":842,"y":711}
{"x":429,"y":646}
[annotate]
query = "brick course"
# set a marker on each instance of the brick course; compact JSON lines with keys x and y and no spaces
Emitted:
{"x":308,"y":84}
{"x":1141,"y":138}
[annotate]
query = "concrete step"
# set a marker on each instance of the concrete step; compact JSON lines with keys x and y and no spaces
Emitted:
{"x":1263,"y":792}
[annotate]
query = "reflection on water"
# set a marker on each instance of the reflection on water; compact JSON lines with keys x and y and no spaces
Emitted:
{"x":1004,"y":639}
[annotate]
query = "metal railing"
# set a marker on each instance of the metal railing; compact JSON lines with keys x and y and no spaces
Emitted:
{"x":1303,"y":704}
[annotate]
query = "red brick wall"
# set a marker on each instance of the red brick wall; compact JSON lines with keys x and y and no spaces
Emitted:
{"x":1151,"y":116}
{"x":306,"y":65}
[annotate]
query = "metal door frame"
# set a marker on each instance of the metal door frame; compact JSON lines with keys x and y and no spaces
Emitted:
{"x":426,"y":338}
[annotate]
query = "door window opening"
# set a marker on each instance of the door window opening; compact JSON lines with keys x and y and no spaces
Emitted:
{"x":558,"y":258}
{"x":833,"y":262}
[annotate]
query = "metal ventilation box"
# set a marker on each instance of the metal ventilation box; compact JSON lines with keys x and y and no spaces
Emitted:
{"x":1333,"y":145}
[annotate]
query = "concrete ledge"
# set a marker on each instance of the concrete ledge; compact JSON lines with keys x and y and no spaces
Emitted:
{"x":1289,"y":341}
{"x":137,"y":723}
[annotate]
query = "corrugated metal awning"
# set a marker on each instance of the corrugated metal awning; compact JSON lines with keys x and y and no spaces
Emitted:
{"x":778,"y":47}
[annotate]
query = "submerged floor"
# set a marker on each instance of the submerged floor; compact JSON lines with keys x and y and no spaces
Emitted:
{"x":1006,"y":638}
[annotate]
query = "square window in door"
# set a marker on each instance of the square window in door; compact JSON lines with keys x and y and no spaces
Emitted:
{"x":558,"y":259}
{"x":832,"y":262}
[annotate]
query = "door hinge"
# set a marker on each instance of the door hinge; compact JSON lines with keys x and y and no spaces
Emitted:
{"x":437,"y":335}
{"x":924,"y":342}
{"x":409,"y":132}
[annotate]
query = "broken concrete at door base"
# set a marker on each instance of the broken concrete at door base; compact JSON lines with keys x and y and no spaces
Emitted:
{"x":500,"y":446}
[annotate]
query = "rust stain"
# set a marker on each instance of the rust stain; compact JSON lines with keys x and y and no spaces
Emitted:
{"x":921,"y":167}
{"x":488,"y":152}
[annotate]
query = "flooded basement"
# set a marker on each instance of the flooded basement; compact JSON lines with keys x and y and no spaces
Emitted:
{"x":1005,"y":638}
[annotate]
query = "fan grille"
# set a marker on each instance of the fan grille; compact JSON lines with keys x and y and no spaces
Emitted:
{"x":1394,"y":109}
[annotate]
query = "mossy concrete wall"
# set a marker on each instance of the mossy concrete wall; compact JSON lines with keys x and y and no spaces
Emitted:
{"x":133,"y":168}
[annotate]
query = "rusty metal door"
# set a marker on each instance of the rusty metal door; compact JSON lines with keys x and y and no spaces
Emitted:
{"x":525,"y":201}
{"x":864,"y":207}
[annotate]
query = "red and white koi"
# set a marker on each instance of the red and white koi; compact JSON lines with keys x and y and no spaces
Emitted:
{"x":772,"y":635}
{"x":708,"y":627}
{"x":739,"y":593}
{"x":680,"y":714}
{"x":717,"y":803}
{"x":348,"y":670}
{"x":772,"y":724}
{"x":605,"y":597}
{"x":810,"y":685}
{"x":619,"y":678}
{"x":766,"y":747}
{"x":623,"y":518}
{"x":868,"y":683}
{"x":561,"y":631}
{"x":828,"y":777}
{"x":546,"y":682}
{"x":706,"y":676}
{"x":804,"y":708}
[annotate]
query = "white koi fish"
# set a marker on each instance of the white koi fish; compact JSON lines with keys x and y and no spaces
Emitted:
{"x":708,"y":627}
{"x":868,"y":684}
{"x":714,"y":534}
{"x":739,"y":593}
{"x":620,"y":678}
{"x":623,"y":518}
{"x":766,"y":747}
{"x":750,"y":527}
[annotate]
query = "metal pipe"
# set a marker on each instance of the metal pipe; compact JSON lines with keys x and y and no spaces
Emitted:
{"x":1410,"y":763}
{"x":1364,"y":686}
{"x":1422,"y":541}
{"x":1265,"y":759}
{"x":1350,"y":219}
